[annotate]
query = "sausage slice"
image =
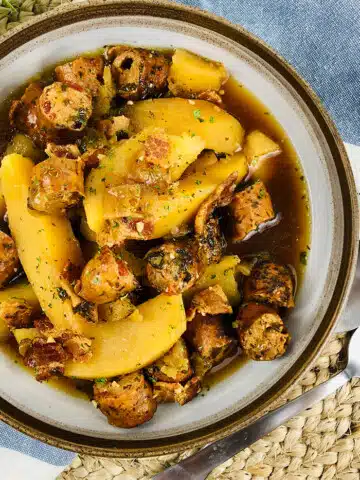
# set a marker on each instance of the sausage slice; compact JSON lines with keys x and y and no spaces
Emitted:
{"x":84,"y":72}
{"x":56,"y":184}
{"x":9,"y":260}
{"x":174,"y":366}
{"x":105,"y":278}
{"x":270,"y":283}
{"x":250,"y":208}
{"x":65,"y":107}
{"x":262,"y":333}
{"x":126,"y":401}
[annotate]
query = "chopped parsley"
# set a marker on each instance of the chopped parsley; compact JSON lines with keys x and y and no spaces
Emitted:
{"x":303,"y":258}
{"x":261,"y":193}
{"x":100,"y":380}
{"x":197,"y":115}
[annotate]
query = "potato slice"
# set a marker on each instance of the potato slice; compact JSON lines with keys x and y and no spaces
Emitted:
{"x":117,"y":311}
{"x":168,"y":212}
{"x":93,"y":202}
{"x":223,"y":274}
{"x":21,"y":334}
{"x":19,"y":291}
{"x":2,"y":203}
{"x":258,"y":147}
{"x":177,"y":208}
{"x":205,"y":160}
{"x":219,"y":130}
{"x":107,"y":92}
{"x":126,"y":158}
{"x":45,"y":243}
{"x":126,"y":345}
{"x":190,"y":74}
{"x":134,"y":342}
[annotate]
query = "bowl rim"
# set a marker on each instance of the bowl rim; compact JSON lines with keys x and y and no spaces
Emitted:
{"x":87,"y":10}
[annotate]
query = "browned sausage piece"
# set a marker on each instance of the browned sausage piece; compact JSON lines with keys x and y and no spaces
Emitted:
{"x":25,"y":116}
{"x":84,"y":72}
{"x":174,"y":366}
{"x":189,"y":391}
{"x":200,"y":365}
{"x":47,"y":358}
{"x":250,"y":208}
{"x":172,"y":268}
{"x":152,"y":167}
{"x":212,"y":244}
{"x":211,"y":301}
{"x":114,"y":125}
{"x":9,"y":260}
{"x":78,"y":347}
{"x":210,"y":96}
{"x":65,"y":107}
{"x":116,"y":231}
{"x":44,"y":326}
{"x":165,"y":392}
{"x":16,"y":313}
{"x":105,"y":278}
{"x":63,"y":151}
{"x":209,"y":238}
{"x":207,"y":335}
{"x":220,"y":197}
{"x":262,"y":334}
{"x":24,"y":113}
{"x":56,"y":184}
{"x":69,"y":282}
{"x":270,"y":283}
{"x":127,"y":401}
{"x":139,"y":73}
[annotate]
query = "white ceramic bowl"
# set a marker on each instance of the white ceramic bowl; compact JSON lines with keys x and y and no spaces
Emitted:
{"x":70,"y":422}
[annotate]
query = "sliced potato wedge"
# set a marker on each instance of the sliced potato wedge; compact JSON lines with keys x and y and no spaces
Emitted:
{"x":45,"y":243}
{"x":219,"y":130}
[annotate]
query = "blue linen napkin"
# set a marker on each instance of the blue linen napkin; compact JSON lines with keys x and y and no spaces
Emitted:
{"x":23,"y":458}
{"x":320,"y":38}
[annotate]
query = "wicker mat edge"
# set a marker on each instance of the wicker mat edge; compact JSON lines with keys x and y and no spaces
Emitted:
{"x":323,"y":442}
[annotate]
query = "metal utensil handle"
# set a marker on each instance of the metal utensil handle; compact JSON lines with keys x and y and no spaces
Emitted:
{"x":198,"y":466}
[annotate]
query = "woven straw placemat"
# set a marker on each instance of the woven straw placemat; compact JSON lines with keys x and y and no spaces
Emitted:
{"x":321,"y":443}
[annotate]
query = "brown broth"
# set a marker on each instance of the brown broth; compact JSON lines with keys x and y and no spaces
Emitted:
{"x":284,"y":180}
{"x":222,"y":374}
{"x":62,"y":384}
